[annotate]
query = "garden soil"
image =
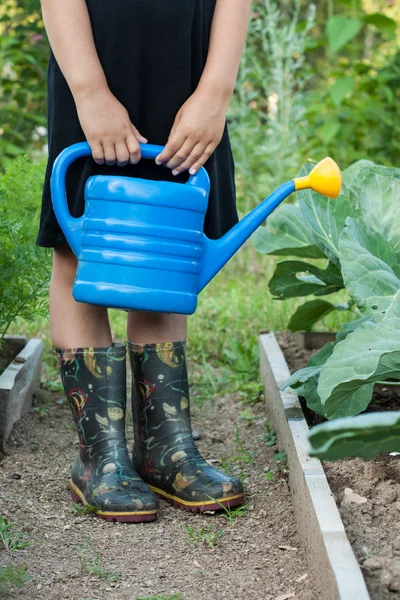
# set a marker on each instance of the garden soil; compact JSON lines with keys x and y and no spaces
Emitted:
{"x":258,"y":557}
{"x":372,"y":517}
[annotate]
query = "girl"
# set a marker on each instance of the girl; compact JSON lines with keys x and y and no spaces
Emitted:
{"x":123,"y":72}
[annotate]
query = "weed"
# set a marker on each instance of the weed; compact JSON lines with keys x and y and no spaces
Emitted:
{"x":42,"y":411}
{"x":206,"y":535}
{"x":280,"y":457}
{"x":244,"y":455}
{"x":232,"y":468}
{"x":11,"y":538}
{"x":232,"y":514}
{"x":91,"y":562}
{"x":81,"y":509}
{"x":269,"y":437}
{"x":173,"y":597}
{"x":247,"y":415}
{"x":269,"y":474}
{"x":12,"y":575}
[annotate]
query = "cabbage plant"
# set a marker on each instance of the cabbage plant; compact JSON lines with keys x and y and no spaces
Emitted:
{"x":359,"y":236}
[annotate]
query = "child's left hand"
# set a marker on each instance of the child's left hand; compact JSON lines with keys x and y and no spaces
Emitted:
{"x":196,"y":132}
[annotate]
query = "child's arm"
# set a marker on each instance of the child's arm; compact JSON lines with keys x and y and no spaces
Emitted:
{"x":200,"y":123}
{"x":105,"y":122}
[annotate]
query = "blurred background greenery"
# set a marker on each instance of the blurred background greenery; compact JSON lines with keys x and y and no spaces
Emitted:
{"x":316,"y":79}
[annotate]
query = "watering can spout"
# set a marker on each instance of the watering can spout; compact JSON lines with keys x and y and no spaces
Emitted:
{"x":325,"y":178}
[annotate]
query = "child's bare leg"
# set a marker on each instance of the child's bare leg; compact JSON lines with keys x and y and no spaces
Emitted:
{"x":74,"y":324}
{"x":155,"y":328}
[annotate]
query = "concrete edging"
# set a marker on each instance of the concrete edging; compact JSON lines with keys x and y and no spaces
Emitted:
{"x":18,"y":383}
{"x":331,"y":558}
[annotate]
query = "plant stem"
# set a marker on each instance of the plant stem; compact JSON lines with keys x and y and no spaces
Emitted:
{"x":394,"y":383}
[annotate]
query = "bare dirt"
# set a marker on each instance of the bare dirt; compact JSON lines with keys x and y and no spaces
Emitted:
{"x":373,"y":525}
{"x":258,"y":557}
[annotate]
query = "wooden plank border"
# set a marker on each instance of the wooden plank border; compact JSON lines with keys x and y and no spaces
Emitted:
{"x":331,"y":558}
{"x":17,"y":385}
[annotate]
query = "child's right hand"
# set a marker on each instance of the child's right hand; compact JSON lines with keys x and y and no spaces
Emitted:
{"x":108,"y":129}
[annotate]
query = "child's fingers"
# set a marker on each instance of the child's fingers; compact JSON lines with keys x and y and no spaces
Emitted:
{"x":109,"y":153}
{"x":204,"y":158}
{"x":173,"y":146}
{"x":194,"y":155}
{"x":122,"y":153}
{"x":133,"y":147}
{"x":140,"y":138}
{"x":97,"y":153}
{"x":181,"y":155}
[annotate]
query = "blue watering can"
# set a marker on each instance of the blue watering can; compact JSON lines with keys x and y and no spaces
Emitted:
{"x":140,"y":244}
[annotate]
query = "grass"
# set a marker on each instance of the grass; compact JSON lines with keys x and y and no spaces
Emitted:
{"x":80,"y":509}
{"x":11,"y":538}
{"x":10,"y":575}
{"x":162,"y":597}
{"x":232,"y":514}
{"x":91,"y":563}
{"x":223,"y":332}
{"x":206,"y":535}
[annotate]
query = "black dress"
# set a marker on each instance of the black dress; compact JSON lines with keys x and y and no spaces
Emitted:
{"x":153,"y":53}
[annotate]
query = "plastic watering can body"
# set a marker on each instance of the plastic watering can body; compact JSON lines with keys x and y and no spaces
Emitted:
{"x":140,"y":244}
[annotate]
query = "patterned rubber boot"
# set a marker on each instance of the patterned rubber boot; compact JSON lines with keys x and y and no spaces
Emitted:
{"x":164,"y":454}
{"x":94,"y":381}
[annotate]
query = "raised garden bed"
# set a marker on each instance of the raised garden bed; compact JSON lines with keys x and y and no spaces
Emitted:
{"x":20,"y":364}
{"x":370,"y":510}
{"x":320,"y":525}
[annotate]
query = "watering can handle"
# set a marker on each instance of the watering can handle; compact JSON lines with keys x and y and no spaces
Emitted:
{"x":71,"y":226}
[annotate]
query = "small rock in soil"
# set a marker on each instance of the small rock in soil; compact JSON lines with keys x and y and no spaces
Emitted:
{"x":350,"y":497}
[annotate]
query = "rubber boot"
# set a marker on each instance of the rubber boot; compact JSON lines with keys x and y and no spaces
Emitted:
{"x":94,"y":381}
{"x":164,"y":453}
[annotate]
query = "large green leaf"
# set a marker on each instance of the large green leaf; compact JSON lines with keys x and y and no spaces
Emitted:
{"x":326,"y":219}
{"x":310,"y":313}
{"x":341,"y":30}
{"x":365,"y":436}
{"x":293,"y":278}
{"x":379,"y":200}
{"x":370,"y":353}
{"x":382,"y":22}
{"x":353,"y":172}
{"x":286,"y":234}
{"x":349,"y":327}
{"x":370,"y":271}
{"x":305,"y":383}
{"x":340,"y":89}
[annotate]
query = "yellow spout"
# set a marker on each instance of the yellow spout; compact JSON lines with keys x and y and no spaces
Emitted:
{"x":325,"y":178}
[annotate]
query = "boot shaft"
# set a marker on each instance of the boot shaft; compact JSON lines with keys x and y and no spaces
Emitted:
{"x":94,"y":381}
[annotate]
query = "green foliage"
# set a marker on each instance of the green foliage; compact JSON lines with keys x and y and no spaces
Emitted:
{"x":23,"y":63}
{"x":91,"y":562}
{"x":11,"y":538}
{"x":267,"y":110}
{"x":162,"y":597}
{"x":205,"y":535}
{"x":11,"y":575}
{"x":360,"y":236}
{"x":366,"y":436}
{"x":24,"y":268}
{"x":82,"y":510}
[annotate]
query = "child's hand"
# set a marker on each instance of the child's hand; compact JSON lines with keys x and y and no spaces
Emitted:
{"x":196,"y":132}
{"x":108,"y":129}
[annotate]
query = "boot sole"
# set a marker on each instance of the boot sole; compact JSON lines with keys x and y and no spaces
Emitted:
{"x":216,"y":504}
{"x":121,"y":517}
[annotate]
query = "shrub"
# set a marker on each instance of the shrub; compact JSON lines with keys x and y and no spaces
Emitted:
{"x":24,"y":267}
